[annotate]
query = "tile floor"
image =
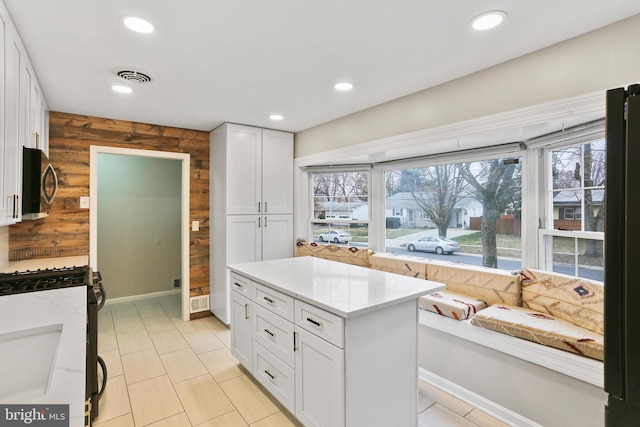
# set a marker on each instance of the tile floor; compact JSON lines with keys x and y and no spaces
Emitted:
{"x":164,"y":372}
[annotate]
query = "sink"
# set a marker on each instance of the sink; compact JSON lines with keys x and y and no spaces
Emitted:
{"x":28,"y":357}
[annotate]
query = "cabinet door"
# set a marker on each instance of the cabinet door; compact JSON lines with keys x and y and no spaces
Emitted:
{"x":241,"y":340}
{"x":4,"y":201}
{"x":244,"y":169}
{"x":244,"y":238}
{"x":277,"y":172}
{"x":11,"y":203}
{"x":277,"y":237}
{"x":319,"y":375}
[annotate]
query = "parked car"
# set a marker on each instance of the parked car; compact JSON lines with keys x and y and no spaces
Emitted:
{"x":438,"y":245}
{"x":335,"y":237}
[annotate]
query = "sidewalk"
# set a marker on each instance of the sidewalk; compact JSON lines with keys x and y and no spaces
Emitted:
{"x":451,"y":232}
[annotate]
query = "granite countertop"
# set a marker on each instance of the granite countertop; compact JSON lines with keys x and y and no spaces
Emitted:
{"x":342,"y":289}
{"x":46,"y":332}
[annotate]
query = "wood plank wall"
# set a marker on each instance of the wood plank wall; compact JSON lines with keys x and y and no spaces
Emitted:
{"x":65,"y":232}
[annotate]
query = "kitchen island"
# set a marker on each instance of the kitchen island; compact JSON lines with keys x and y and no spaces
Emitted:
{"x":335,"y":343}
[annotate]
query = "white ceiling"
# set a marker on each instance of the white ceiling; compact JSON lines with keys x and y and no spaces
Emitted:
{"x":242,"y":60}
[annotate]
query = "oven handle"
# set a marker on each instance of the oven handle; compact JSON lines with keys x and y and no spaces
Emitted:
{"x":102,"y":296}
{"x":103,"y":366}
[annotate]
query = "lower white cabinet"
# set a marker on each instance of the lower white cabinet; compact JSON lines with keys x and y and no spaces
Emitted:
{"x":325,"y":369}
{"x":241,"y":340}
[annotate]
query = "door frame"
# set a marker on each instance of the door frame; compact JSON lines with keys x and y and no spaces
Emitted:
{"x":184,"y":227}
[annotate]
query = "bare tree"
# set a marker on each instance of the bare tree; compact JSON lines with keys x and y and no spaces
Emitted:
{"x":493,"y":182}
{"x":441,"y":188}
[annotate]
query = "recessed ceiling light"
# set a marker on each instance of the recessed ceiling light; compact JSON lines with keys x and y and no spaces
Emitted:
{"x":122,"y":89}
{"x":488,"y":20}
{"x":138,"y":25}
{"x":343,"y":86}
{"x":276,"y":117}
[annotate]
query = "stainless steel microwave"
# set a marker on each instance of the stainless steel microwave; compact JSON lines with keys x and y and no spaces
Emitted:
{"x":39,"y":184}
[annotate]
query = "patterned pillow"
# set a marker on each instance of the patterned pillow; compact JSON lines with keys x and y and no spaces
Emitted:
{"x":450,"y":304}
{"x":399,"y":264}
{"x":575,"y":300}
{"x":345,"y":254}
{"x":541,"y":328}
{"x":490,"y":285}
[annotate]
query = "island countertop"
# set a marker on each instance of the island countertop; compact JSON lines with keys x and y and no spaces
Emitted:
{"x":342,"y":289}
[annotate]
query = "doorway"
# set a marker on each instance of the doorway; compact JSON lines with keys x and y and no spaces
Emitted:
{"x":137,"y":221}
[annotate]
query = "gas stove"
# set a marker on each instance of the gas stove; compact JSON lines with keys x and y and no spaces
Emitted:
{"x":41,"y":280}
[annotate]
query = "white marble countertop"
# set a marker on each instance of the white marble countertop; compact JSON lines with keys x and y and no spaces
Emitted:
{"x":58,"y":309}
{"x":342,"y":289}
{"x":42,"y":263}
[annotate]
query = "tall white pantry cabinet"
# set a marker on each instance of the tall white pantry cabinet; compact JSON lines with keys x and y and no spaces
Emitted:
{"x":251,"y":203}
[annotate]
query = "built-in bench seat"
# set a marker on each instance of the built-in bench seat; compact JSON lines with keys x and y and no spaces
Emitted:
{"x":508,"y":374}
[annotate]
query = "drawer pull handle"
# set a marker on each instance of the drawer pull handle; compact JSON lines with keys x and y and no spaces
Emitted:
{"x":269,"y":332}
{"x":238,"y":284}
{"x":295,"y":341}
{"x":266,"y":371}
{"x":315,"y":322}
{"x":270,"y":300}
{"x":246,"y":311}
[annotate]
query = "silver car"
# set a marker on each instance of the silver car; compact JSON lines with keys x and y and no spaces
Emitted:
{"x":335,"y":237}
{"x":438,"y":245}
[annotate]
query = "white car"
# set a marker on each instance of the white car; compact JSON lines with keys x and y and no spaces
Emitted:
{"x":438,"y":245}
{"x":335,"y":237}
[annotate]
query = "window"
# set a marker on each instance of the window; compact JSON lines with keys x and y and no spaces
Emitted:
{"x":340,"y":207}
{"x":477,"y":204}
{"x":572,"y":240}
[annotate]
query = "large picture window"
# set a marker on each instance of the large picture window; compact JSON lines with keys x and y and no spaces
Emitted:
{"x":470,"y":209}
{"x":340,"y":207}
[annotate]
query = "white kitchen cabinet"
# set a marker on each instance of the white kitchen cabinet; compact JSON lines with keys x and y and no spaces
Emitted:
{"x":11,"y":203}
{"x":319,"y":368}
{"x":335,"y":343}
{"x":251,"y":202}
{"x":241,"y":341}
{"x":24,"y":117}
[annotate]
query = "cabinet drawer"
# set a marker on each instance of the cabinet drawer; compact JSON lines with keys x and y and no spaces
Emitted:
{"x":320,"y":322}
{"x":241,"y":284}
{"x":274,"y":333}
{"x":273,"y":300}
{"x":276,"y":376}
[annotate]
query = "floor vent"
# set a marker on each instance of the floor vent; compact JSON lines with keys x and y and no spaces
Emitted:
{"x":200,"y":303}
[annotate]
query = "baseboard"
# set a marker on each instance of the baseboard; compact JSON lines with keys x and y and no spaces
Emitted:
{"x":499,"y":412}
{"x":143,"y":296}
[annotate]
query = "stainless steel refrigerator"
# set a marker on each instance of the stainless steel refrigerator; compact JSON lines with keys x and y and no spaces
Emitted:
{"x":622,"y":258}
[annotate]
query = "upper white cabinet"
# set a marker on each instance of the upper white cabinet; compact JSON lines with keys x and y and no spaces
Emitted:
{"x":24,"y":117}
{"x":251,"y":202}
{"x":259,"y":170}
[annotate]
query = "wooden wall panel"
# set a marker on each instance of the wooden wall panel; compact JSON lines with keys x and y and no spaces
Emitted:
{"x":65,"y":232}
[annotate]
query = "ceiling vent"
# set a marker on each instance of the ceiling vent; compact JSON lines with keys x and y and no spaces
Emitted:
{"x":133,"y":76}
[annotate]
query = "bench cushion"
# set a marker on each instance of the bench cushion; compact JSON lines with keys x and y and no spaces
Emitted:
{"x":450,"y":304}
{"x":490,"y":285}
{"x":575,"y":300}
{"x":346,"y":254}
{"x":399,"y":264}
{"x":541,"y":328}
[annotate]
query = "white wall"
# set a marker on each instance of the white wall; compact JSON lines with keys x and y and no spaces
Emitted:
{"x":589,"y":63}
{"x":139,"y":220}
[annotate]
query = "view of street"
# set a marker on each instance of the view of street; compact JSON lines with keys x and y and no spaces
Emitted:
{"x":399,"y":245}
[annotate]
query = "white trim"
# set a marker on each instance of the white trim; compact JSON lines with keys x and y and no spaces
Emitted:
{"x":93,"y":208}
{"x":593,"y":235}
{"x":593,"y":103}
{"x":496,"y":411}
{"x":579,"y":367}
{"x":141,"y":297}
